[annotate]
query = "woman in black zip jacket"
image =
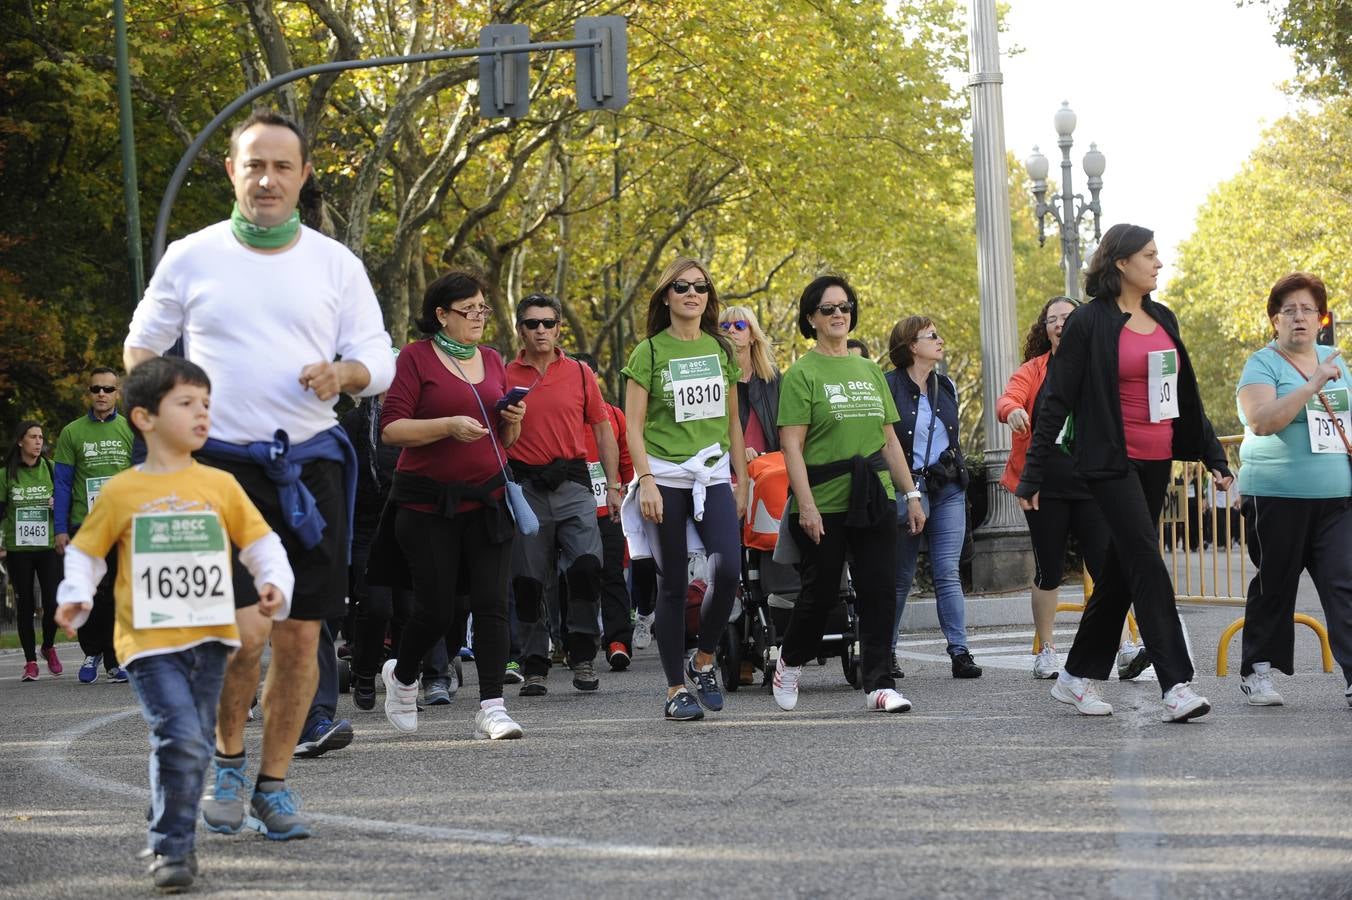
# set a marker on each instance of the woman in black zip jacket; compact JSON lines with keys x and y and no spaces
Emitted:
{"x":1123,"y":378}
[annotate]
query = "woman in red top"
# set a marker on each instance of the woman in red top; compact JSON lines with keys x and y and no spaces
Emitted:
{"x":451,"y":520}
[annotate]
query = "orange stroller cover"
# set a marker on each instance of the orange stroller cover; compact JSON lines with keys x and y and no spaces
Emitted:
{"x":768,"y":496}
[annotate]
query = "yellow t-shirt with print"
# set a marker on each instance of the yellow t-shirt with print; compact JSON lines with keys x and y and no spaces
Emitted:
{"x":196,"y":489}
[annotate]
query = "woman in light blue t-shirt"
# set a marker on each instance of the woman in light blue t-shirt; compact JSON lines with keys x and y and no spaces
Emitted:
{"x":1296,"y":479}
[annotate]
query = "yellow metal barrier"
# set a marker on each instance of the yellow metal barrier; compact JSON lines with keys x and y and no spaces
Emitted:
{"x":1189,"y":487}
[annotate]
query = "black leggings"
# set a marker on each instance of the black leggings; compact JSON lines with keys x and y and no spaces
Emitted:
{"x":439,"y":551}
{"x":719,"y":532}
{"x":44,"y":566}
{"x":1051,"y":524}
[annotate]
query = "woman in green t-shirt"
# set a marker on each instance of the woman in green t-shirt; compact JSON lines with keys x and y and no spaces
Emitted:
{"x":26,"y":492}
{"x":686,"y":442}
{"x":835,"y":428}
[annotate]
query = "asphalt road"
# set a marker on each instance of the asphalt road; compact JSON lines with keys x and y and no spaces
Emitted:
{"x":987,"y":789}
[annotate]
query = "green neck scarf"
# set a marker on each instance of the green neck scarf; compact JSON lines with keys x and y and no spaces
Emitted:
{"x":453,"y":347}
{"x":261,"y":237}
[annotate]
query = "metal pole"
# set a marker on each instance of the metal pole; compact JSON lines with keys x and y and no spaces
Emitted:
{"x":1070,"y":225}
{"x":997,"y":566}
{"x":181,"y":171}
{"x":130,"y":194}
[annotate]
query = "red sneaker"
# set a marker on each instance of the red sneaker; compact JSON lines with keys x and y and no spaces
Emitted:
{"x":53,"y":661}
{"x":30,"y":672}
{"x":617,"y":654}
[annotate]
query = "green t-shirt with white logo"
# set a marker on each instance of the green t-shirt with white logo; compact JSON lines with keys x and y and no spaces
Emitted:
{"x":28,"y":507}
{"x":688,"y":383}
{"x":96,"y":451}
{"x":844,"y":402}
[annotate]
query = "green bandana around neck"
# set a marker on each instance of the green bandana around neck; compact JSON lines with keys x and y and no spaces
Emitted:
{"x":452,"y":346}
{"x":262,"y":237}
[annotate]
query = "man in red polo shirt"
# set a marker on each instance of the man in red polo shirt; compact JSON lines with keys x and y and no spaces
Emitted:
{"x":549,"y":459}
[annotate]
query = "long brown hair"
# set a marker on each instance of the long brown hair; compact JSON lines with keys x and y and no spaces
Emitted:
{"x":1037,"y":342}
{"x":659,"y":314}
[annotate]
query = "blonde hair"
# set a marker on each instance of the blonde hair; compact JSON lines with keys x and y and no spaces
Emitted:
{"x":762,"y":357}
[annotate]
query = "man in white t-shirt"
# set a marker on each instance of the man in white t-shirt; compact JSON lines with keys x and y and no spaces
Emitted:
{"x":283,"y":319}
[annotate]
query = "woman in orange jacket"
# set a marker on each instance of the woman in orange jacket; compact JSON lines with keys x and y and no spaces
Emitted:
{"x":1066,"y":505}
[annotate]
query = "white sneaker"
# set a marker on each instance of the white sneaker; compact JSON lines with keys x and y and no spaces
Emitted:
{"x":887,"y":700}
{"x":1257,"y":686}
{"x":1182,"y":703}
{"x":401,"y":700}
{"x":1132,"y":661}
{"x":643,"y":631}
{"x":1080,"y":693}
{"x":786,"y":684}
{"x":494,"y":724}
{"x":1047,"y":664}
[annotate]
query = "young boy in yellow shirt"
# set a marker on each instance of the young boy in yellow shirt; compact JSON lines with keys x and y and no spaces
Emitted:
{"x":173,"y":521}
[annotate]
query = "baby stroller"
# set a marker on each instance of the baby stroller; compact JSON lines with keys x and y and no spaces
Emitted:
{"x":769,"y":590}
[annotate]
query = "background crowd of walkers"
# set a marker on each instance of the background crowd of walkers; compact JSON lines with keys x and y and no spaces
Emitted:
{"x":506,"y":505}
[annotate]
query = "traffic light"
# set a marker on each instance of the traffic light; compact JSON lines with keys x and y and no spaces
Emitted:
{"x":1325,"y":335}
{"x":602,"y":72}
{"x":504,"y":78}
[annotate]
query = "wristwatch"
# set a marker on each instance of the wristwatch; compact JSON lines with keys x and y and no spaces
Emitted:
{"x":911,"y":495}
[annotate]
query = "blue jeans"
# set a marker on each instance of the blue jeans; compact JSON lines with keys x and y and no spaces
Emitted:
{"x":178,"y":694}
{"x":944,"y":529}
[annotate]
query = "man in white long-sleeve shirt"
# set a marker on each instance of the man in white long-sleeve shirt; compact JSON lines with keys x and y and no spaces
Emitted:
{"x":283,"y":319}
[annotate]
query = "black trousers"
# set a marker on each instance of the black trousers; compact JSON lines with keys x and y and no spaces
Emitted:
{"x":873,"y":569}
{"x":28,"y":568}
{"x":1134,"y":574}
{"x":615,"y":623}
{"x":96,"y":635}
{"x":1290,"y":535}
{"x":1051,"y":524}
{"x":439,"y":551}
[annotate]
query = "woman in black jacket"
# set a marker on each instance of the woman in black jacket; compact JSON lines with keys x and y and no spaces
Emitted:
{"x":758,"y":390}
{"x":1123,"y":378}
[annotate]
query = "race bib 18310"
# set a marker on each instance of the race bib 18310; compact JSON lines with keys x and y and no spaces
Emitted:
{"x":180,"y":571}
{"x":697,"y":387}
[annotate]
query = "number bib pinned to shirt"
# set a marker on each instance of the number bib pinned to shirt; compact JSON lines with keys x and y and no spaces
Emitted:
{"x":1324,"y":436}
{"x":180,"y":571}
{"x":32,"y":526}
{"x":698,"y":388}
{"x":1163,"y":369}
{"x":598,"y":482}
{"x":92,"y":488}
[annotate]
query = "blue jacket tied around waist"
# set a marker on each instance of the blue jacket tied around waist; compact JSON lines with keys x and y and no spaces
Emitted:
{"x":282,"y":463}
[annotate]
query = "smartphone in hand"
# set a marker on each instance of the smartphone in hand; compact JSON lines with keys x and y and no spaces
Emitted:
{"x":511,"y":398}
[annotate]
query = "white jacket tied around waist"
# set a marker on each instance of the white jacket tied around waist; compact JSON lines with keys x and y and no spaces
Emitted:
{"x":694,"y":475}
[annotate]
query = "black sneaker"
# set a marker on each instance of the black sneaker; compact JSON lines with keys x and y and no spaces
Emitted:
{"x":323,"y":735}
{"x":364,"y":691}
{"x":896,"y":672}
{"x":683,"y":708}
{"x":964,"y":666}
{"x":705,"y":685}
{"x":534,"y":686}
{"x":170,"y":876}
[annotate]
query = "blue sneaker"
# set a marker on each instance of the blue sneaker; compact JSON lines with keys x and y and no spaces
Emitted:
{"x":224,"y":802}
{"x":683,"y":708}
{"x":117,"y":675}
{"x":704,"y":684}
{"x":467,"y":654}
{"x":89,"y":671}
{"x":276,"y":815}
{"x":323,"y":735}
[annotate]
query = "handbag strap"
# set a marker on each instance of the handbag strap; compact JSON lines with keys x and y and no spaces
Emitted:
{"x":492,"y":435}
{"x":1324,"y":401}
{"x":934,"y":413}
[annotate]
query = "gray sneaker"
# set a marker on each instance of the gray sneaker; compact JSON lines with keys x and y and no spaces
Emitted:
{"x":224,"y":802}
{"x":276,"y":814}
{"x":534,"y":687}
{"x":437,"y":691}
{"x":584,"y":676}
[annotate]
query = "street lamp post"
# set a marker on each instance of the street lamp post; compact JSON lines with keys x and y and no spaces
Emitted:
{"x":1073,"y":206}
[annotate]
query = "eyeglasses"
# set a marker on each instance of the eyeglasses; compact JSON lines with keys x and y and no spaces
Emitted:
{"x":1056,"y":320}
{"x":932,"y":336}
{"x":473,"y":313}
{"x":1292,"y":312}
{"x":830,"y":309}
{"x":683,"y":287}
{"x":102,"y":389}
{"x":532,"y":324}
{"x":739,"y":324}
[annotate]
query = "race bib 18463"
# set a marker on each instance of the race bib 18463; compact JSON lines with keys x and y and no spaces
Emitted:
{"x":32,"y":526}
{"x":180,"y":571}
{"x":698,"y":389}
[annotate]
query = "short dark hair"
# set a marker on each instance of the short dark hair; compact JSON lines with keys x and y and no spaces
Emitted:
{"x":149,"y":382}
{"x":103,"y":370}
{"x":812,"y":297}
{"x":905,"y":333}
{"x":589,"y":360}
{"x":1297,"y":281}
{"x":1119,"y":242}
{"x":456,"y":284}
{"x":269,"y":117}
{"x":538,"y":300}
{"x":856,"y":344}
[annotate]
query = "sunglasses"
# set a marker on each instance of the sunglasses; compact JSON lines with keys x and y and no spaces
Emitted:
{"x":739,"y":324}
{"x":102,"y":389}
{"x":830,"y":309}
{"x":532,"y":324}
{"x":931,"y":336}
{"x":476,"y":312}
{"x":683,"y":287}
